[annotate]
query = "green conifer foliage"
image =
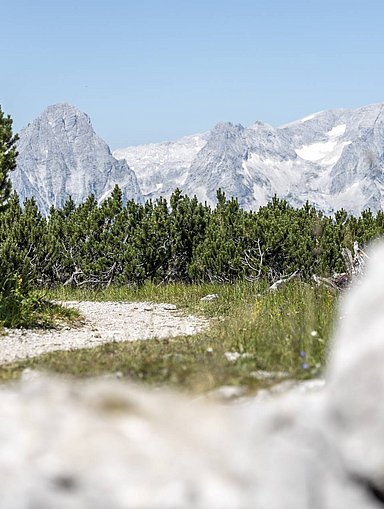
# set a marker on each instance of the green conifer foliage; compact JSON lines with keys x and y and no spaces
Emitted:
{"x":218,"y":256}
{"x":7,"y":157}
{"x":188,"y":220}
{"x":96,"y":245}
{"x":150,"y":243}
{"x":25,"y":249}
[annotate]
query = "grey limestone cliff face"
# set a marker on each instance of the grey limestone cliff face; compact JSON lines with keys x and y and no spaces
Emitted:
{"x":216,"y":164}
{"x":60,"y":155}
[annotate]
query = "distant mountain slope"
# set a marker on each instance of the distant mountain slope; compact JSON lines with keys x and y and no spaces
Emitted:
{"x":60,"y":155}
{"x":163,"y":166}
{"x":333,"y":159}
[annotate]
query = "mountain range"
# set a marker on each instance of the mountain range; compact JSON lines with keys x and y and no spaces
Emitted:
{"x":333,"y":159}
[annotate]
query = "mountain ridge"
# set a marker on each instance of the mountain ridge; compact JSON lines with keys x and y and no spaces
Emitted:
{"x":333,"y":159}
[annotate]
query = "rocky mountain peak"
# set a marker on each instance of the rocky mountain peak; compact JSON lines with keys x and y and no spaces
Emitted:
{"x":225,"y":131}
{"x":60,"y":155}
{"x":259,"y":125}
{"x":62,"y":110}
{"x":64,"y":117}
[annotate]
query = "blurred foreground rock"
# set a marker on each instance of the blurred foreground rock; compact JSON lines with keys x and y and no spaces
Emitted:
{"x":104,"y":444}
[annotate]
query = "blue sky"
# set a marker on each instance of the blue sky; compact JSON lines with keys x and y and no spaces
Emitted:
{"x":153,"y":70}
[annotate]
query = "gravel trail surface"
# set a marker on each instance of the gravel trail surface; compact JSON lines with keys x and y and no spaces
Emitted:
{"x":103,"y":322}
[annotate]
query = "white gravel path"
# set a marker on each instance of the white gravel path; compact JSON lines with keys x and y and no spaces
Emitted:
{"x":103,"y":322}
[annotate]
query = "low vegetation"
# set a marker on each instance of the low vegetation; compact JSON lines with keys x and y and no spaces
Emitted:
{"x":256,"y":338}
{"x":97,"y":245}
{"x":27,"y":308}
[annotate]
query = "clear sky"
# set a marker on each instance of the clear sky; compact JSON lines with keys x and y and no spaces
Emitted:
{"x":154,"y":70}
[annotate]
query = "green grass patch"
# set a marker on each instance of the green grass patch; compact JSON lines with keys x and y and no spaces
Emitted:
{"x":33,"y":310}
{"x":284,"y":333}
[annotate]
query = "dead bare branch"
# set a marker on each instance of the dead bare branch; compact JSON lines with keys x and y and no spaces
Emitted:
{"x":253,"y":260}
{"x":277,"y":284}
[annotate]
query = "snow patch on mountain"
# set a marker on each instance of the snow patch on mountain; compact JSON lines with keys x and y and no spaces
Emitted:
{"x":301,"y":120}
{"x":325,"y":153}
{"x":336,"y":131}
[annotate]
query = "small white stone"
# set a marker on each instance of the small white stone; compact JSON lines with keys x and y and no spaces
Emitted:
{"x":260,"y":374}
{"x":232,"y":356}
{"x":211,"y":296}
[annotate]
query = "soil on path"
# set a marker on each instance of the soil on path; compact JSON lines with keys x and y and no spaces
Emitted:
{"x":103,"y":322}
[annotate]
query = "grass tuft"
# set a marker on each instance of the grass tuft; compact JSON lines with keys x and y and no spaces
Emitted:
{"x":33,"y":310}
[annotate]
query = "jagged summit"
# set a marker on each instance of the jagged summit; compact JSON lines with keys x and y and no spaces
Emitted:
{"x":60,"y":155}
{"x":227,"y":127}
{"x":64,"y":116}
{"x":61,"y":110}
{"x":258,"y":124}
